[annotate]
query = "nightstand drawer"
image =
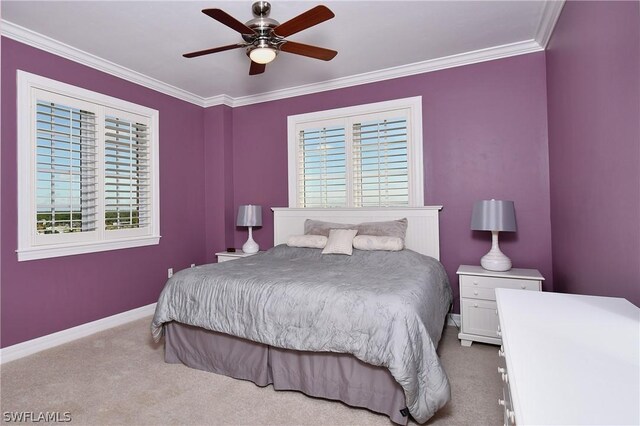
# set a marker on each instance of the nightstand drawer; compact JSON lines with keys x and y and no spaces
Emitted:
{"x":484,"y":287}
{"x":477,"y":292}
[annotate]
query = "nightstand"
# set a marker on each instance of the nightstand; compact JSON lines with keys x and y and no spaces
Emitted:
{"x":225,"y":256}
{"x":478,"y":309}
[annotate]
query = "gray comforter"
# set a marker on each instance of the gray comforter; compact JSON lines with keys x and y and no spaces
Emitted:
{"x":385,"y":308}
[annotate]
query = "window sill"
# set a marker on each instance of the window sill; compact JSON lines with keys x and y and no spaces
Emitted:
{"x":60,"y":250}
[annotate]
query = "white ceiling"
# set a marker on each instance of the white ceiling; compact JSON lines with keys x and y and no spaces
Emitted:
{"x":149,"y":37}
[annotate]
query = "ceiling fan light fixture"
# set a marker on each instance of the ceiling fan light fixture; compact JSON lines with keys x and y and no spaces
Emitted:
{"x":262,"y":55}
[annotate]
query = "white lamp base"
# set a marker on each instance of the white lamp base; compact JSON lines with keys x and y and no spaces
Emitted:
{"x":495,"y":260}
{"x":250,"y":246}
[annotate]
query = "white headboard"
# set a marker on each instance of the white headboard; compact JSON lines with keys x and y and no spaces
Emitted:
{"x":423,"y":231}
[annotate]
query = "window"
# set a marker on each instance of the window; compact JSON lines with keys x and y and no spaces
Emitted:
{"x":364,"y":156}
{"x":87,"y":171}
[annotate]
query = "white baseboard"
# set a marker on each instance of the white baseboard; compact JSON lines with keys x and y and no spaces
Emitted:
{"x":453,"y":320}
{"x":29,"y":347}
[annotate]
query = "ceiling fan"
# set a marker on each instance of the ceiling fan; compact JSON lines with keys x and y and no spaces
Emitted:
{"x":265,"y":37}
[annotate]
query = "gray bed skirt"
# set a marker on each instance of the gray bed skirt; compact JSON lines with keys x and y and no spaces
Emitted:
{"x":320,"y":374}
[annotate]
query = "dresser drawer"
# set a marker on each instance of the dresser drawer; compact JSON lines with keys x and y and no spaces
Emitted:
{"x":476,"y":287}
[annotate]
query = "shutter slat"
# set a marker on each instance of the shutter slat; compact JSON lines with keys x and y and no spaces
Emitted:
{"x":138,"y":159}
{"x":89,"y":148}
{"x":119,"y":163}
{"x":53,"y":157}
{"x":126,"y":143}
{"x":69,"y":134}
{"x":127,"y":176}
{"x":84,"y":119}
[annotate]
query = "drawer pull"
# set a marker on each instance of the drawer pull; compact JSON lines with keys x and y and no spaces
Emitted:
{"x":475,"y":292}
{"x":500,"y":401}
{"x":499,"y":333}
{"x":475,"y":283}
{"x":501,"y":353}
{"x":522,"y":286}
{"x":503,"y":374}
{"x":475,"y":305}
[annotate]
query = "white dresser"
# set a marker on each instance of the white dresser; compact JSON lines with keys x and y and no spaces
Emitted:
{"x":478,"y":312}
{"x":569,"y":359}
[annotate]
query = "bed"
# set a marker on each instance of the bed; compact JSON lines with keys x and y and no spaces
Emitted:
{"x":362,"y":329}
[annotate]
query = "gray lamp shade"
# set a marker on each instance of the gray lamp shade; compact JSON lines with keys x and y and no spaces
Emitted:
{"x":249,"y":216}
{"x":493,"y":215}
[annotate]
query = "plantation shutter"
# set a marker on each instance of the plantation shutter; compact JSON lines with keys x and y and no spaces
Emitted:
{"x":127,"y":179}
{"x":65,"y":168}
{"x":322,"y":179}
{"x":380,"y":163}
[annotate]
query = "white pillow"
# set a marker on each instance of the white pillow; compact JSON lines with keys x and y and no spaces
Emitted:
{"x":309,"y":241}
{"x":340,"y":241}
{"x":373,"y":242}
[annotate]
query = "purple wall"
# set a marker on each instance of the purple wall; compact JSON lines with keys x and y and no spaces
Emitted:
{"x":218,"y":160}
{"x":40,"y":297}
{"x":593,"y":74}
{"x":485,"y":136}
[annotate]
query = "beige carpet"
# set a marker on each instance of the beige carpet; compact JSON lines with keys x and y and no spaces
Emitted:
{"x":119,"y":377}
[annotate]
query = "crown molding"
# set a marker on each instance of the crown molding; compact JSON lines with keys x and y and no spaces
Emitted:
{"x":34,"y":39}
{"x":467,"y":58}
{"x":40,"y":41}
{"x":550,"y":14}
{"x":219,"y":100}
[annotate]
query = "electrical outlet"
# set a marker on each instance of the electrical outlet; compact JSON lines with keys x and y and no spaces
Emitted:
{"x":169,"y":272}
{"x":193,"y":265}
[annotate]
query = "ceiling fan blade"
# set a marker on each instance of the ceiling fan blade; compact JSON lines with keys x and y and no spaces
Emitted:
{"x":257,"y":68}
{"x":303,"y":21}
{"x":213,"y":50}
{"x":308,"y":50}
{"x":228,"y":20}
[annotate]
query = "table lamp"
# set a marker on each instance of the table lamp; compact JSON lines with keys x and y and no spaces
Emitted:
{"x":250,"y":216}
{"x":494,"y":216}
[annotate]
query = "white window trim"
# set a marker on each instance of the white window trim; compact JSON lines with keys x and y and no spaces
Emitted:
{"x":27,"y":250}
{"x":414,"y":148}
